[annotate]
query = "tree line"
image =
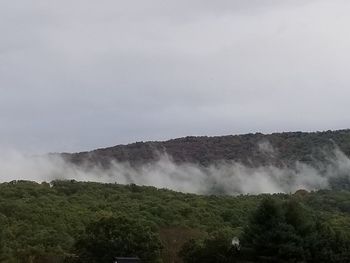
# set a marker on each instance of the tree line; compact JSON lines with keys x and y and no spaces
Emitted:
{"x":68,"y":221}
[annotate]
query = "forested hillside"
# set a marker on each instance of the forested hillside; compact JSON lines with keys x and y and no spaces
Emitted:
{"x":249,"y":149}
{"x":43,"y":222}
{"x":70,"y":221}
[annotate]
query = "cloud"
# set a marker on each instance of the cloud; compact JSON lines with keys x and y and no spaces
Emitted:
{"x":78,"y":74}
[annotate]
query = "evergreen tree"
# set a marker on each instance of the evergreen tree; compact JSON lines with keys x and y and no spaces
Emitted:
{"x":268,"y":236}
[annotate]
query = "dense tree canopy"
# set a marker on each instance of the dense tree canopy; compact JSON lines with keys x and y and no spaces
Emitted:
{"x":44,"y":222}
{"x":285,"y":232}
{"x":290,"y":146}
{"x":278,"y":231}
{"x":215,"y":248}
{"x":112,"y":237}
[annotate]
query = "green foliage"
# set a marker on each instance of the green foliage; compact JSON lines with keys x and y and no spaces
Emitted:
{"x":112,"y":237}
{"x":285,"y":232}
{"x":278,"y":231}
{"x":272,"y":233}
{"x":42,"y":222}
{"x":216,"y":248}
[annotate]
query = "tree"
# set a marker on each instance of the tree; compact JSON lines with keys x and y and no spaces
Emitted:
{"x":284,"y":232}
{"x":110,"y":237}
{"x":216,"y":248}
{"x":269,"y":237}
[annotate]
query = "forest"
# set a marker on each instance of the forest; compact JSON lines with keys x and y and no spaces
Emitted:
{"x":289,"y":147}
{"x":70,"y":221}
{"x":174,"y":131}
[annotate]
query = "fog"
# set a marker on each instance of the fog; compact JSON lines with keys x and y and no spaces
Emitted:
{"x":221,"y":178}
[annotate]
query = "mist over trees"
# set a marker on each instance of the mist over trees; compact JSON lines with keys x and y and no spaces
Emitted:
{"x":66,"y":220}
{"x":253,"y":150}
{"x":79,"y":75}
{"x":250,"y":164}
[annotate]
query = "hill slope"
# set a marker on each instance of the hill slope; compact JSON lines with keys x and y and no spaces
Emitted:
{"x":250,"y":149}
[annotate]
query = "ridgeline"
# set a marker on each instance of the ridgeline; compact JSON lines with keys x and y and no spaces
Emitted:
{"x":249,"y":149}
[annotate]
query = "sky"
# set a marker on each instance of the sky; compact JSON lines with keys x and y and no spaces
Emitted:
{"x":83,"y":74}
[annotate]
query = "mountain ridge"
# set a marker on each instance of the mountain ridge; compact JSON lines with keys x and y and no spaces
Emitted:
{"x":282,"y":148}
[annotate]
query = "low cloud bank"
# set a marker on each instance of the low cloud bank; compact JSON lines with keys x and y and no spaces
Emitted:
{"x":224,"y":178}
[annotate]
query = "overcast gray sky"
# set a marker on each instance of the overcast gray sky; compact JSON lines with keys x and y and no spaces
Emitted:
{"x":81,"y":74}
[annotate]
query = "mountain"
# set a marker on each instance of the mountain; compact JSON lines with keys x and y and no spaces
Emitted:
{"x":250,"y":149}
